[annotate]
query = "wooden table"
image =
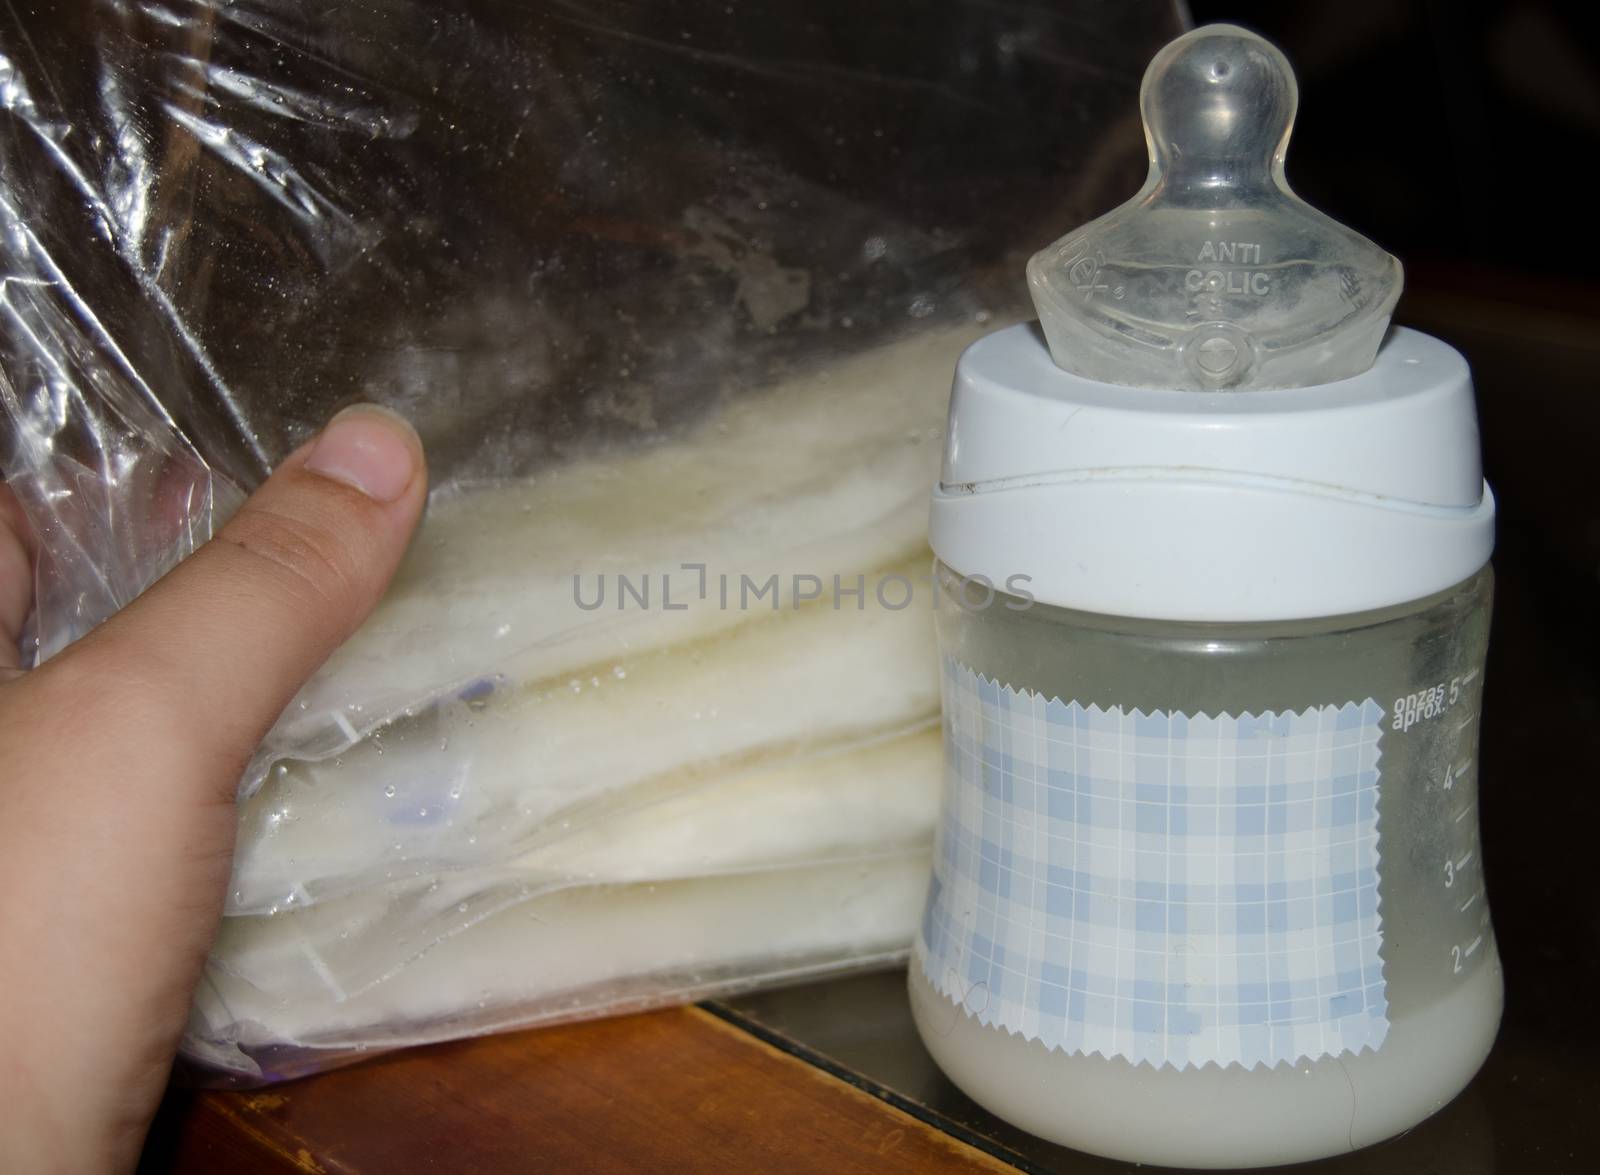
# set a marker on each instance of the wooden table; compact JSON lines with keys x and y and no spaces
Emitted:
{"x":676,"y":1090}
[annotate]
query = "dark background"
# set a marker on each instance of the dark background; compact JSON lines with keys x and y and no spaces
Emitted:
{"x":1454,"y":132}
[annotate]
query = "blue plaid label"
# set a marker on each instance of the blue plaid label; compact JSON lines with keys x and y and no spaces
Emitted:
{"x":1167,"y":888}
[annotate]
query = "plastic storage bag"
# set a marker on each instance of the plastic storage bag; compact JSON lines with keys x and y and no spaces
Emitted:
{"x":671,"y":292}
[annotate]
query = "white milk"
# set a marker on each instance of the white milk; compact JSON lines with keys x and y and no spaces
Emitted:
{"x":1214,"y":1117}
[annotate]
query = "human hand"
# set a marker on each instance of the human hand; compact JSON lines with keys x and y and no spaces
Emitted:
{"x":118,"y":763}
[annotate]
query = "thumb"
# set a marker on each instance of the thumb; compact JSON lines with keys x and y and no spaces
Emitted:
{"x":227,"y":637}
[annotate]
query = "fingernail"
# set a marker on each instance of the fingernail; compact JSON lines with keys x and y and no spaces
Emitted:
{"x":370,"y":449}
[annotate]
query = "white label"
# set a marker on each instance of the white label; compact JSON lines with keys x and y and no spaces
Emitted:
{"x":1167,"y":888}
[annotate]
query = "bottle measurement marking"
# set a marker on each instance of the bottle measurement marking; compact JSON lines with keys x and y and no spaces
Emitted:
{"x":1418,"y":707}
{"x":1458,"y":956}
{"x":1428,"y":702}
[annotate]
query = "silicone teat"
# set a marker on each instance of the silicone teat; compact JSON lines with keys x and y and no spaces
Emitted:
{"x":1216,"y":275}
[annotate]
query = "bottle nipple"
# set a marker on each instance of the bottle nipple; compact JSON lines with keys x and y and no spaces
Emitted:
{"x":1215,"y":276}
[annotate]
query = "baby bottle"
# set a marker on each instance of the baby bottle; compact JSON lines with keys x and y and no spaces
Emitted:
{"x":1213,"y":547}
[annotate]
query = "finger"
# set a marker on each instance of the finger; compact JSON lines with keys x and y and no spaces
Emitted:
{"x":16,"y":577}
{"x":222,"y":643}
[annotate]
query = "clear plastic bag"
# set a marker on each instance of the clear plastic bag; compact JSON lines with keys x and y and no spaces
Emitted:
{"x":671,"y":292}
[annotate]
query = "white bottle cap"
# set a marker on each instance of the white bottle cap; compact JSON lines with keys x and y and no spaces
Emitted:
{"x":1213,"y":506}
